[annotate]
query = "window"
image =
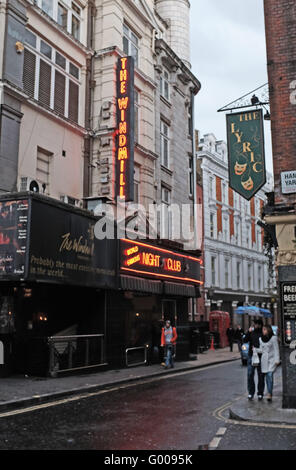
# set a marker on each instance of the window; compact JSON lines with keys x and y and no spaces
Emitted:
{"x":62,"y":16}
{"x":43,"y":168}
{"x":165,"y":85}
{"x":227,"y":278}
{"x":211,"y":186}
{"x":164,"y":144}
{"x":166,"y":216}
{"x":130,"y":44}
{"x":190,"y":172}
{"x":248,"y":235}
{"x":212,"y":225}
{"x":213,"y":270}
{"x":259,"y":278}
{"x":224,"y":199}
{"x":47,"y":7}
{"x":259,"y":240}
{"x":136,"y":184}
{"x":57,"y":86}
{"x":137,"y":109}
{"x":226,"y":229}
{"x":238,"y":274}
{"x":66,"y":14}
{"x":249,"y":276}
{"x":237,"y":232}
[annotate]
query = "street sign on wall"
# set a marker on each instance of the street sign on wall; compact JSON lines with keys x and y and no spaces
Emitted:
{"x":246,"y":155}
{"x":288,"y":180}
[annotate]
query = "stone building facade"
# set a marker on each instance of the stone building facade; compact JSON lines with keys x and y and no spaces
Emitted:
{"x":164,"y":93}
{"x":44,"y":81}
{"x":236,"y":269}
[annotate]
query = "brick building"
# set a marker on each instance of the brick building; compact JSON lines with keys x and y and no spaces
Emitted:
{"x":280,"y":20}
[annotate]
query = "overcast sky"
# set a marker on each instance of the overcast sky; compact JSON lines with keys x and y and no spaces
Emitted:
{"x":228,"y":56}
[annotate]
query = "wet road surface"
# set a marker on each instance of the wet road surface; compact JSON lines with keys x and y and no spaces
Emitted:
{"x":175,"y":412}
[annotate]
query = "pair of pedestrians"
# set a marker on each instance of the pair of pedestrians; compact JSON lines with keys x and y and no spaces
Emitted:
{"x":264,"y":357}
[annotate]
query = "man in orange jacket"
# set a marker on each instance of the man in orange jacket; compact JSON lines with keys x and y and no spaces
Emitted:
{"x":168,"y":341}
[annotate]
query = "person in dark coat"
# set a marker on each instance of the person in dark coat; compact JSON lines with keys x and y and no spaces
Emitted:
{"x":252,"y":337}
{"x":230,"y":336}
{"x":238,"y":337}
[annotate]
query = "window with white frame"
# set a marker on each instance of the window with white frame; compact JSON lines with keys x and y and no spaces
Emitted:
{"x":50,"y":78}
{"x":165,"y":84}
{"x":214,"y":277}
{"x":164,"y":144}
{"x":237,"y":232}
{"x":227,"y":273}
{"x":65,"y":12}
{"x":211,"y":186}
{"x":224,"y":193}
{"x":250,"y":276}
{"x":212,"y":225}
{"x":248,"y":235}
{"x":238,"y":274}
{"x":226,"y":229}
{"x":190,"y":175}
{"x":259,"y":278}
{"x":137,"y":184}
{"x":130,"y":44}
{"x":137,"y":112}
{"x":166,"y":215}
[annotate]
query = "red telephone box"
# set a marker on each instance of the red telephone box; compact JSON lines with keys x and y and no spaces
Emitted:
{"x":219,"y":322}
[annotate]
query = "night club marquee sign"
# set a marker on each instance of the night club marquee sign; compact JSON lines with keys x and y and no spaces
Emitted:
{"x":246,"y":155}
{"x":125,"y":130}
{"x":144,"y":259}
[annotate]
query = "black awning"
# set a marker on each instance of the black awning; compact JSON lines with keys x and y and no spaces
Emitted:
{"x":183,"y":290}
{"x":141,"y":285}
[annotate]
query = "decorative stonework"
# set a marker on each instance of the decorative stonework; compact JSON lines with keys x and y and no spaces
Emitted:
{"x":286,"y":258}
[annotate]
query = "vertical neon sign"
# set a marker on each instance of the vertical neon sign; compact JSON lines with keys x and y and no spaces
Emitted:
{"x":125,"y":130}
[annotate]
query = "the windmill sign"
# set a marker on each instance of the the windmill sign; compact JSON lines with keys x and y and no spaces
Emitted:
{"x":246,"y":156}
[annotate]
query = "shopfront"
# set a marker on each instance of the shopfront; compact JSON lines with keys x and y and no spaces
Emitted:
{"x":54,"y":276}
{"x":155,"y":284}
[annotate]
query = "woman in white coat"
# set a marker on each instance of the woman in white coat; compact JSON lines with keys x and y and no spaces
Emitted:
{"x":270,"y":359}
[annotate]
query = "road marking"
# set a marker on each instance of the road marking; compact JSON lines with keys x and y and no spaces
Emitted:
{"x":218,"y":414}
{"x":221,"y":431}
{"x":214,"y":443}
{"x":101,"y":392}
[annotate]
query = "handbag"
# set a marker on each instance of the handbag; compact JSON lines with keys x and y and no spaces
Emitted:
{"x":255,"y":359}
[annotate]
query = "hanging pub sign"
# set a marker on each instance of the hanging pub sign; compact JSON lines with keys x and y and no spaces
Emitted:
{"x":125,"y":129}
{"x":246,"y":156}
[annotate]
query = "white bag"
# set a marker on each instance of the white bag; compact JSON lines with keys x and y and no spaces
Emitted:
{"x":255,"y":359}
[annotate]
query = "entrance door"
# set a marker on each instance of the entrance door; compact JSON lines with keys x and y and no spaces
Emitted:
{"x":169,"y":311}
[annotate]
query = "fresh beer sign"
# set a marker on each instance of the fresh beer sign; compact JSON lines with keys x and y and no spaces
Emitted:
{"x":246,"y":159}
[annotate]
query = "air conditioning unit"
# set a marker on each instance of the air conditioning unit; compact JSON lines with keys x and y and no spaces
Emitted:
{"x":71,"y":200}
{"x":29,"y":184}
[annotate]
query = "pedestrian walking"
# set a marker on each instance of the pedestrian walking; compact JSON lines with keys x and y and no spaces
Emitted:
{"x":230,"y":336}
{"x":238,"y":337}
{"x":270,"y":357}
{"x":168,"y":341}
{"x":254,"y":360}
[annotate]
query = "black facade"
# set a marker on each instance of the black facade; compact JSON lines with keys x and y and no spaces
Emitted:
{"x":66,"y":301}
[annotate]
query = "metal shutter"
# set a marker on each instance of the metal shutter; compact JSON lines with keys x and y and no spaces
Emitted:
{"x":73,"y":101}
{"x":29,"y":73}
{"x":59,"y":93}
{"x":44,"y":83}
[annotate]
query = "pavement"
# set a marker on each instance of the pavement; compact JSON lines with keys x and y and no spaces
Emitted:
{"x":19,"y":391}
{"x":264,"y":412}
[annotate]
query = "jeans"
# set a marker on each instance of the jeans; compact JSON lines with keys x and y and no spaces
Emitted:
{"x":251,"y":381}
{"x":269,"y":382}
{"x":169,"y":355}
